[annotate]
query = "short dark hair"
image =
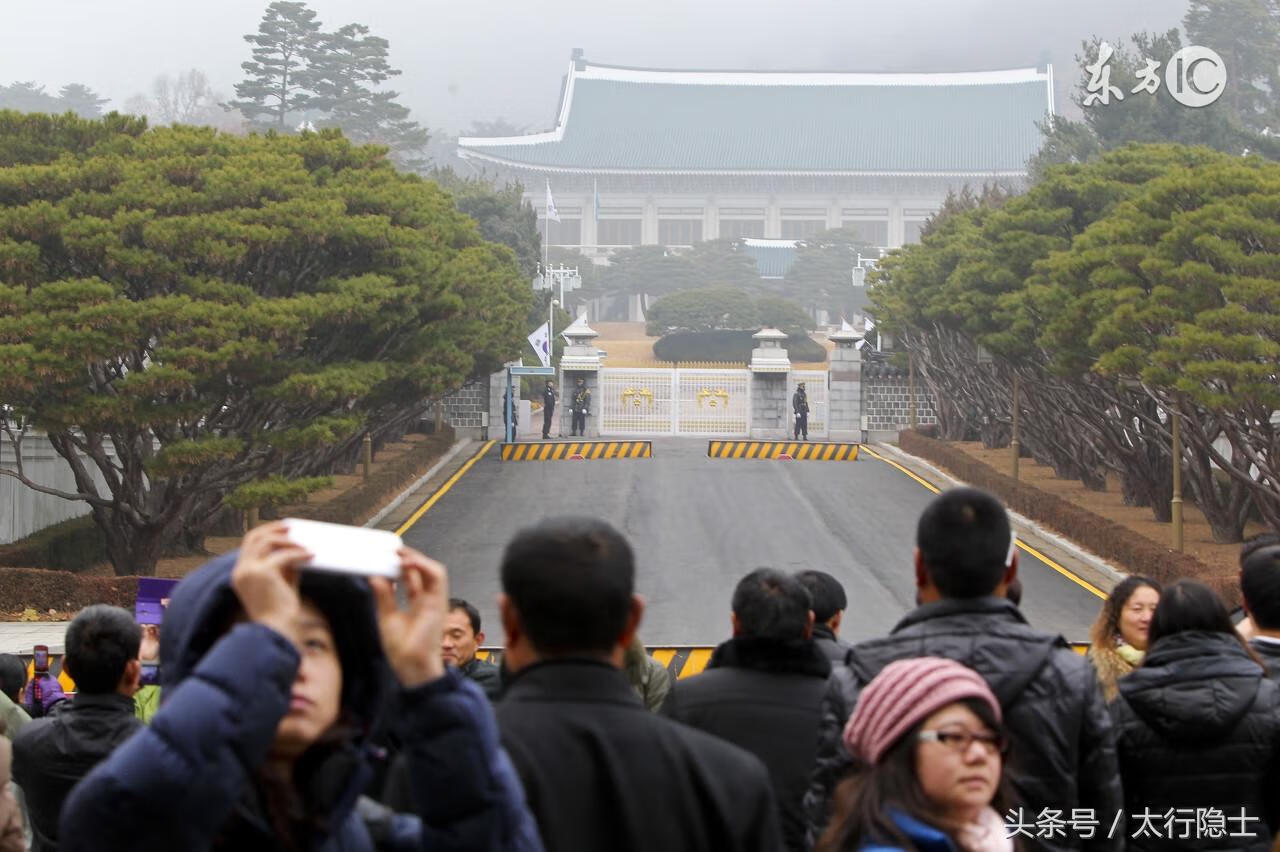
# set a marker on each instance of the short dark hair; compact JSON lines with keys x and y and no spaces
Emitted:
{"x":1254,"y":543}
{"x":770,"y":604}
{"x":964,"y":537}
{"x":473,"y":614}
{"x":827,"y":594}
{"x":1188,"y":605}
{"x":1260,"y":585}
{"x":100,"y":642}
{"x":571,"y":579}
{"x":13,"y":676}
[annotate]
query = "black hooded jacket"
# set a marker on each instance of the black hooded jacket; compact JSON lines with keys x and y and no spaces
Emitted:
{"x":187,"y":781}
{"x":1062,"y":753}
{"x":762,"y":695}
{"x":1198,"y":727}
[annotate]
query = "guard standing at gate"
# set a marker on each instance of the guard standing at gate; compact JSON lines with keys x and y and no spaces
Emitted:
{"x":549,"y":397}
{"x":512,"y":425}
{"x":581,"y":407}
{"x":800,"y":405}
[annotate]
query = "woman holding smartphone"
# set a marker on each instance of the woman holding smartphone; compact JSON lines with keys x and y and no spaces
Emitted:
{"x":274,"y":679}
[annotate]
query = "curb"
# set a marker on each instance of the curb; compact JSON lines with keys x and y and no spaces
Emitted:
{"x":1105,"y":569}
{"x":422,"y":480}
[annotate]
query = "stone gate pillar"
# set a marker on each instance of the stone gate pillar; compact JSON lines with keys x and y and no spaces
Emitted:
{"x":844,"y":401}
{"x":770,"y":368}
{"x":581,"y":360}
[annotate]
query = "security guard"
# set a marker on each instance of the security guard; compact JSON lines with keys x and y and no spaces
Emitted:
{"x":800,"y":405}
{"x":549,"y":397}
{"x":581,"y":408}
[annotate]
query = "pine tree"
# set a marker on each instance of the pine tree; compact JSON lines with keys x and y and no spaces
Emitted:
{"x":81,"y":100}
{"x":279,"y":82}
{"x":344,"y":73}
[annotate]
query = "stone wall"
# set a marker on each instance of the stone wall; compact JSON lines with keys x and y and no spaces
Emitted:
{"x":464,"y":409}
{"x":885,"y":397}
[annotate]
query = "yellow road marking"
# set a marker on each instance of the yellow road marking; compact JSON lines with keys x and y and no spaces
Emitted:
{"x":1084,"y":584}
{"x":697,"y":661}
{"x":444,"y":489}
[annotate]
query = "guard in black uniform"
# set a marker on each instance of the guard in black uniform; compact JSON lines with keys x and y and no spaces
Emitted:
{"x":800,"y":405}
{"x":549,"y":397}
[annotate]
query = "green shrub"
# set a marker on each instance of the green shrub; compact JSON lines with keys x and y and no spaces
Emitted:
{"x":72,"y":545}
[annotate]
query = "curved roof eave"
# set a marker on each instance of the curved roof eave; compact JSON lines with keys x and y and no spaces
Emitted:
{"x":541,"y":168}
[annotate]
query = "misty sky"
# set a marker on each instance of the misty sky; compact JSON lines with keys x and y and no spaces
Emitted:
{"x":481,"y":59}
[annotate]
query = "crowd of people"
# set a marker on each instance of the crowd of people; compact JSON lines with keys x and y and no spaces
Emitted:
{"x":301,"y":710}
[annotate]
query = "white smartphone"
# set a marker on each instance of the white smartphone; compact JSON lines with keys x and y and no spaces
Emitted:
{"x":347,"y":550}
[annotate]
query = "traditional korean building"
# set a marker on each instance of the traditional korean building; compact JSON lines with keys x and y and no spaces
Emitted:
{"x":642,"y":156}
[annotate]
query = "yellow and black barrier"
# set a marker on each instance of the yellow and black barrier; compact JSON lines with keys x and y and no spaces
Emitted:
{"x":576,"y":450}
{"x":681,"y":660}
{"x":799,"y":450}
{"x":688,"y":660}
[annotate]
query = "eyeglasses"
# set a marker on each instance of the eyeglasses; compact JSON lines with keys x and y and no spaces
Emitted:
{"x":959,"y":740}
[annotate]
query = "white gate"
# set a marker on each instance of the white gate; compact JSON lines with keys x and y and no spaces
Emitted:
{"x":815,"y":387}
{"x":675,"y":402}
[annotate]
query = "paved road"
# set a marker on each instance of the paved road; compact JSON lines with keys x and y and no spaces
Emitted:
{"x":699,"y":524}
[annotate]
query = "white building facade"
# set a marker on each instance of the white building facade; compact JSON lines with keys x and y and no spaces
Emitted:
{"x":658,"y":157}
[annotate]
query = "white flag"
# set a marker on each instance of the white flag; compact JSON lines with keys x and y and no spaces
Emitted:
{"x":540,"y":340}
{"x":552,"y":214}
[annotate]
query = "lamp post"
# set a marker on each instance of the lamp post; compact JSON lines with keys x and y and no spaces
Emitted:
{"x":1014,"y":444}
{"x":1176,"y":504}
{"x":911,"y":390}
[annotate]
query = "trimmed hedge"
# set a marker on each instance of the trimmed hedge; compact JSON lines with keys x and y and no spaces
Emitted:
{"x":1135,"y":553}
{"x":730,"y":346}
{"x":22,"y":588}
{"x":69,"y":546}
{"x":42,"y":590}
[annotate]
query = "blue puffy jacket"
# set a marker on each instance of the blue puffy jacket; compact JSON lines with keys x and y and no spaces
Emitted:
{"x":185,"y":782}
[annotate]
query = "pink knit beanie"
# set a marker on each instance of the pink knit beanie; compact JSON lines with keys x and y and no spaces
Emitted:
{"x":905,"y":693}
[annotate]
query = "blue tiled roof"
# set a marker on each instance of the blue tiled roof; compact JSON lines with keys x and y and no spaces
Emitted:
{"x":773,"y":257}
{"x":634,"y":121}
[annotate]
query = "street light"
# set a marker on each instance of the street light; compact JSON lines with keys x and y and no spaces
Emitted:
{"x":985,"y":357}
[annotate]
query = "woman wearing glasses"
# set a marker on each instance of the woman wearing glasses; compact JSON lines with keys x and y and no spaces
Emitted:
{"x":927,"y":732}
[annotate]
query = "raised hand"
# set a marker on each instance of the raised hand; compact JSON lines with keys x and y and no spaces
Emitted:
{"x":411,"y":637}
{"x":265,"y":577}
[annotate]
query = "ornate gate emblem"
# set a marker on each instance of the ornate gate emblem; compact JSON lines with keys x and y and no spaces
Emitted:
{"x":712,"y":398}
{"x":636,"y":396}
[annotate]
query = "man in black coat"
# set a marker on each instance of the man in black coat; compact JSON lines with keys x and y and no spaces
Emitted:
{"x":51,"y":754}
{"x":762,"y":689}
{"x":1062,"y":747}
{"x":599,"y":770}
{"x":462,"y":638}
{"x":1260,"y":590}
{"x":829,"y":604}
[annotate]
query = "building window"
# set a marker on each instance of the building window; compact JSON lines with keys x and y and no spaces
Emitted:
{"x":618,"y":232}
{"x":799,"y":229}
{"x":871,"y":233}
{"x":735,"y":228}
{"x":679,"y":232}
{"x":911,"y":231}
